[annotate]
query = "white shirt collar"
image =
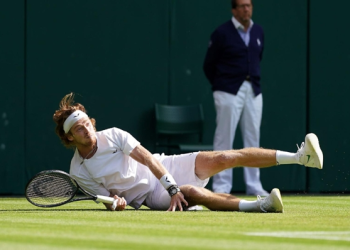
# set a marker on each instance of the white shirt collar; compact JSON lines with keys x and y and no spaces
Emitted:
{"x":238,"y":25}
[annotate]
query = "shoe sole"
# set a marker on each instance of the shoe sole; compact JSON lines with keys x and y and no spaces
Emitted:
{"x":315,"y":145}
{"x":279,"y":206}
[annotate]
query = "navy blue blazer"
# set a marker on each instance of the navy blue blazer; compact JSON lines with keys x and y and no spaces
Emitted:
{"x":229,"y":61}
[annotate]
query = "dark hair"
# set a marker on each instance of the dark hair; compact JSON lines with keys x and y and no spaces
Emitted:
{"x":67,"y":107}
{"x":234,"y":3}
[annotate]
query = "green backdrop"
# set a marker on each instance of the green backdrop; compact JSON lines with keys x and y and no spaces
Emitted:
{"x":120,"y":57}
{"x":329,"y":87}
{"x":113,"y":54}
{"x":13,"y":101}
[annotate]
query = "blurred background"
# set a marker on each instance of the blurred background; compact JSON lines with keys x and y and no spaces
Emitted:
{"x":121,"y":57}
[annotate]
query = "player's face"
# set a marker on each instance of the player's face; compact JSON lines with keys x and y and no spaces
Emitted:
{"x":243,"y":12}
{"x":83,"y":132}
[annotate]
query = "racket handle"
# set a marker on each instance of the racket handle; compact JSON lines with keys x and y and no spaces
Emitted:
{"x":115,"y":204}
{"x":108,"y":200}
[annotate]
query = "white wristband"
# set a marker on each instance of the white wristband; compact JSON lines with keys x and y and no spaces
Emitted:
{"x":167,"y":181}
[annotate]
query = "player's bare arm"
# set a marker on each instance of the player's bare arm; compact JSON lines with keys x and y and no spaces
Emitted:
{"x":143,"y":156}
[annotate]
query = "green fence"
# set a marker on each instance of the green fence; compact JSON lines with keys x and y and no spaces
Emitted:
{"x":12,"y":97}
{"x":121,"y":57}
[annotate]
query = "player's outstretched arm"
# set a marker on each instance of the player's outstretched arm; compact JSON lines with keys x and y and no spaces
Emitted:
{"x":144,"y":157}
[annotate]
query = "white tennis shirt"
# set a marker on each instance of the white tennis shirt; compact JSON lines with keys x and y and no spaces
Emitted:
{"x":111,"y":169}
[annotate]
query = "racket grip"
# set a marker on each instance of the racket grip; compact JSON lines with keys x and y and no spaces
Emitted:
{"x":115,"y":204}
{"x":108,"y":200}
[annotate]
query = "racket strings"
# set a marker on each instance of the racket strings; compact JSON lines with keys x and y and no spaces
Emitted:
{"x":51,"y":189}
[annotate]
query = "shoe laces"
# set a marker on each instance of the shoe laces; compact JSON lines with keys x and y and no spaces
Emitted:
{"x":299,"y":152}
{"x":301,"y":146}
{"x":263,"y":201}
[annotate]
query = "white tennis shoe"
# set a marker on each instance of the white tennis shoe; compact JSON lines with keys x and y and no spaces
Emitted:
{"x":272,"y":203}
{"x":310,"y":153}
{"x":194,"y":208}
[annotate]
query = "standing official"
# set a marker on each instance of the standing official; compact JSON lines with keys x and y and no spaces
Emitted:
{"x":232,"y":65}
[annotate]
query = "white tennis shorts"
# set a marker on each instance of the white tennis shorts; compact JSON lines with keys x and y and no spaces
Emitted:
{"x":182,"y":168}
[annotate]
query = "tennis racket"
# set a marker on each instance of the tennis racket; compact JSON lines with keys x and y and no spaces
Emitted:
{"x":52,"y":188}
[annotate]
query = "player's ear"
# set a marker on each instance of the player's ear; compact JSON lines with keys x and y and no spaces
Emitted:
{"x":70,"y":137}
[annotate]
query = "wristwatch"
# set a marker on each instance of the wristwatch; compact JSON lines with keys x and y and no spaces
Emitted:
{"x":174,"y":189}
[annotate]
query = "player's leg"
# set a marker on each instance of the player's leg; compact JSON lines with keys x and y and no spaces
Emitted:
{"x":209,"y":163}
{"x":309,"y":154}
{"x":228,"y":111}
{"x":226,"y":202}
{"x":213,"y":201}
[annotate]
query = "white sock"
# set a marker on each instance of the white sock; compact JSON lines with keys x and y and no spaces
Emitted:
{"x":248,"y":206}
{"x":283,"y":157}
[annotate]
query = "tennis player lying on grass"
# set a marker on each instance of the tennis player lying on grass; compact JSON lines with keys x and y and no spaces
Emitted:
{"x":113,"y":163}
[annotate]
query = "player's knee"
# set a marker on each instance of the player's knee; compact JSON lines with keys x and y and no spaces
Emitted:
{"x":224,"y":159}
{"x":192,"y":193}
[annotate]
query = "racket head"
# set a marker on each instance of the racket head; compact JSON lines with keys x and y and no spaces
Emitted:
{"x":51,"y":188}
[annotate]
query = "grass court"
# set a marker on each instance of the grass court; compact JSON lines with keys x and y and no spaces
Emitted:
{"x":308,"y":222}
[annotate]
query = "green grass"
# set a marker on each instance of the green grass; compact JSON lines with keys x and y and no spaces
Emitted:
{"x":309,"y":222}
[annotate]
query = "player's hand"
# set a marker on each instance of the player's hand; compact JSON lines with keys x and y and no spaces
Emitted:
{"x":176,"y":201}
{"x":121,"y":204}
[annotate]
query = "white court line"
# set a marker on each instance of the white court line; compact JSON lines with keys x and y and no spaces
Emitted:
{"x":319,"y":235}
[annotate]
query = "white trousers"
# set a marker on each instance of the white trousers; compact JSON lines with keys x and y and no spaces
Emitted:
{"x":244,"y":108}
